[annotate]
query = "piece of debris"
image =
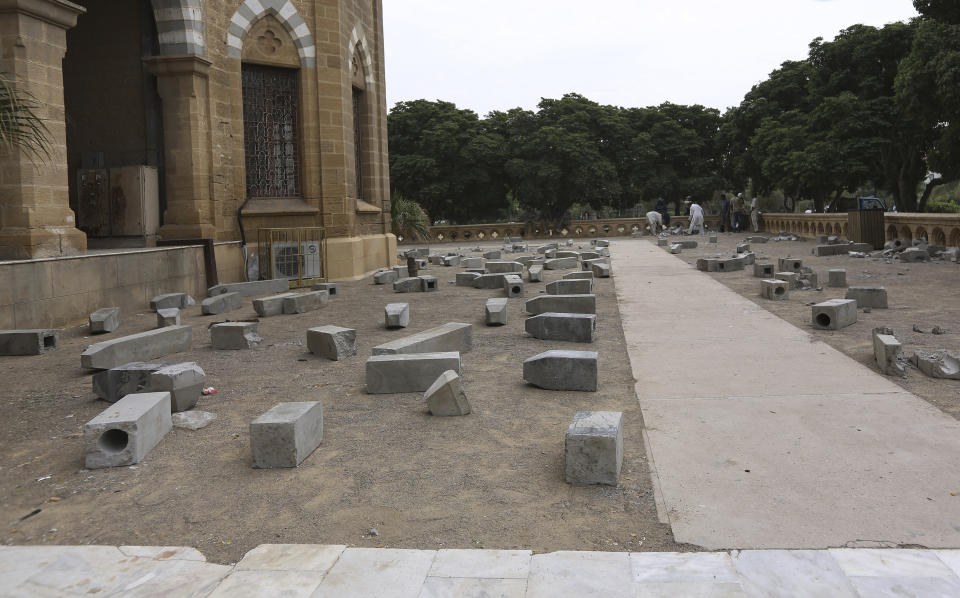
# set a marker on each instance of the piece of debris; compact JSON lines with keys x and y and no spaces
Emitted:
{"x":938,"y":330}
{"x":916,"y":328}
{"x":193,"y":420}
{"x":939,"y":364}
{"x":888,"y":352}
{"x":209,"y":390}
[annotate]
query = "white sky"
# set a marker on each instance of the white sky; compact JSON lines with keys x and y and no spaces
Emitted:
{"x":500,"y":54}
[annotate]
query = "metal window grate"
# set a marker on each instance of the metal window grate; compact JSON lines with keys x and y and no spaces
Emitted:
{"x":296,"y":254}
{"x":270,"y":105}
{"x":358,"y":140}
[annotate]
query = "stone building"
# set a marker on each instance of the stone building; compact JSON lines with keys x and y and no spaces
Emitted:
{"x":274,"y":105}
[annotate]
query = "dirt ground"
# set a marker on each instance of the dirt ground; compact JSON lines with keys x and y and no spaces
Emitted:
{"x":493,"y":479}
{"x":922,"y":294}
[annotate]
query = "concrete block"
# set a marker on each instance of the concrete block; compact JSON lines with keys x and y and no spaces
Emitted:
{"x":562,"y":370}
{"x":687,"y":244}
{"x":535,"y":273}
{"x":743,"y":248}
{"x":763,"y":270}
{"x":748,"y":258}
{"x":566,"y":254}
{"x":231,"y":336}
{"x":495,"y":312}
{"x":435,"y":259}
{"x":730,"y":265}
{"x":332,"y":288}
{"x":130,"y":378}
{"x":222,"y":303}
{"x":808,"y":279}
{"x":385,"y":277}
{"x":168,"y":317}
{"x":593,"y":448}
{"x":568,"y":304}
{"x":888,"y":351}
{"x":834,"y":314}
{"x":286,"y":434}
{"x":251,"y":289}
{"x":396,"y":315}
{"x":28,"y":342}
{"x":570,"y":287}
{"x":600,"y":243}
{"x":184,"y":382}
{"x":550,"y":254}
{"x":513,"y":285}
{"x":775,"y":290}
{"x":178,"y":300}
{"x":106,"y":319}
{"x":451,"y":260}
{"x":489,"y":281}
{"x":661,"y":242}
{"x":940,"y":364}
{"x":389,"y":374}
{"x":472,"y":262}
{"x":676,"y":248}
{"x":868,"y":296}
{"x":545,"y":248}
{"x":837,"y":278}
{"x":333,"y":342}
{"x":126,"y":431}
{"x":491,"y":255}
{"x":913,"y":255}
{"x":553,"y":326}
{"x":756,"y":239}
{"x":590,"y":255}
{"x":581,"y":275}
{"x":503,"y":267}
{"x":600,"y":269}
{"x":143,"y":346}
{"x":560,"y":263}
{"x":445,"y":397}
{"x":428,"y":284}
{"x":452,"y":336}
{"x":789,"y":264}
{"x":791,"y":278}
{"x":303,"y":302}
{"x":270,"y":306}
{"x":408,"y":285}
{"x":402,"y":272}
{"x":466,"y":279}
{"x":713,"y":239}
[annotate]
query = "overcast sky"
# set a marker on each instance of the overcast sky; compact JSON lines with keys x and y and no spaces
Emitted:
{"x":500,"y":54}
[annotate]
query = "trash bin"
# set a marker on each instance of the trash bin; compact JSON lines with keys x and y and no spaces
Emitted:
{"x":866,"y":224}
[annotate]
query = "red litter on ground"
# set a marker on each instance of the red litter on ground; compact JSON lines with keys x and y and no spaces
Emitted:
{"x":209,"y":390}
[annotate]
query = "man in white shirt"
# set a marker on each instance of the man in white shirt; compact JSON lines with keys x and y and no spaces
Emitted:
{"x":656,"y":222}
{"x":755,"y":214}
{"x":696,"y":219}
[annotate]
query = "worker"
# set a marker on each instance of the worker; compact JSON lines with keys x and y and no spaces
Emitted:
{"x":696,"y":219}
{"x":656,"y":222}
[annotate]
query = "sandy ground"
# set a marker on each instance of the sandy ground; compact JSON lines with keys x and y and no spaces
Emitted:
{"x":923,"y":294}
{"x":493,"y":479}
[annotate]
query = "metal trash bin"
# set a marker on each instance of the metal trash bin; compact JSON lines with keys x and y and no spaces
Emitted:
{"x":866,"y":225}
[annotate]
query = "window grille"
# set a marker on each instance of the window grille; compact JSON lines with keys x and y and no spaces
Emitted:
{"x":270,"y":109}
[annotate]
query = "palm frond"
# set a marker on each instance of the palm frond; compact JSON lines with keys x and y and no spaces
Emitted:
{"x":20,"y":126}
{"x":409,"y":218}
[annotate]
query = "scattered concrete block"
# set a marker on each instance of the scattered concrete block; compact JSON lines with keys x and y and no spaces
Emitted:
{"x":333,"y":342}
{"x":837,"y":278}
{"x":491,"y":255}
{"x":286,"y":434}
{"x":495,"y":312}
{"x":168,"y":317}
{"x":757,"y":239}
{"x":219,"y":304}
{"x":600,"y":269}
{"x":489,"y":281}
{"x":251,"y":289}
{"x":562,"y":370}
{"x":231,"y":336}
{"x":106,"y":319}
{"x":560,"y":263}
{"x":789,"y":264}
{"x":548,"y":247}
{"x":940,"y":364}
{"x":466,"y":279}
{"x":389,"y":374}
{"x":402,"y":272}
{"x":553,"y":326}
{"x":408,"y":285}
{"x":582,"y":286}
{"x":566,"y":254}
{"x":452,"y":336}
{"x":676,"y":248}
{"x":396,"y":315}
{"x":535,"y":273}
{"x":451,"y":260}
{"x":713,"y":239}
{"x":743,"y":248}
{"x":763,"y":270}
{"x":385,"y":277}
{"x":730,"y":264}
{"x":270,"y":306}
{"x":581,"y":275}
{"x":445,"y":397}
{"x":428,"y":284}
{"x":600,"y":243}
{"x":749,"y":258}
{"x":503,"y":267}
{"x":550,"y":254}
{"x":834,"y":314}
{"x":661,"y":242}
{"x":775,"y":290}
{"x":914,"y":254}
{"x":706,"y":264}
{"x":143,"y":346}
{"x":589,"y":255}
{"x":822,"y":239}
{"x":332,"y":288}
{"x":28,"y":342}
{"x":790,"y":277}
{"x":527,"y":260}
{"x":184,"y":382}
{"x":472,"y":262}
{"x":593,"y":448}
{"x":888,"y":352}
{"x":178,"y":300}
{"x":687,"y":244}
{"x":568,"y":304}
{"x":130,"y":378}
{"x":301,"y":303}
{"x":513,"y":285}
{"x":126,"y":431}
{"x":436,"y":259}
{"x":868,"y":296}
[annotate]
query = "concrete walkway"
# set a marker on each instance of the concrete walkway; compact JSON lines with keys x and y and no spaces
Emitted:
{"x":318,"y":571}
{"x":762,"y":437}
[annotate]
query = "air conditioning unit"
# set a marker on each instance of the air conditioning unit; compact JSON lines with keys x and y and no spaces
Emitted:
{"x":292,"y":259}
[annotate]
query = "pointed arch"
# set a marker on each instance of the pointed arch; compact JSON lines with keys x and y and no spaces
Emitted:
{"x":358,"y":47}
{"x":285,"y":12}
{"x":180,"y":27}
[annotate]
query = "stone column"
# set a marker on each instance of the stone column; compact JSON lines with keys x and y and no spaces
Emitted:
{"x":184,"y":86}
{"x":35,"y":215}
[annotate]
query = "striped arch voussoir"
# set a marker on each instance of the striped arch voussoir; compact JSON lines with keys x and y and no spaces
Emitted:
{"x":359,"y":40}
{"x":284,"y":11}
{"x":180,"y":27}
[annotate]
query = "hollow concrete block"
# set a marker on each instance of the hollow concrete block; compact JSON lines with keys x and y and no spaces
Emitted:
{"x":106,"y":319}
{"x":332,"y":288}
{"x":582,"y":286}
{"x":184,"y":382}
{"x":495,"y":312}
{"x":552,"y":326}
{"x":775,"y":290}
{"x":834,"y":314}
{"x":887,"y":351}
{"x":221,"y":303}
{"x":29,"y":342}
{"x":178,"y":300}
{"x":396,"y":315}
{"x":730,"y":265}
{"x":452,"y":336}
{"x":143,"y":346}
{"x":130,"y":378}
{"x":763,"y":270}
{"x":408,"y":285}
{"x":791,"y":278}
{"x":837,"y":278}
{"x":789,"y":264}
{"x":303,"y":302}
{"x":489,"y":281}
{"x":333,"y":342}
{"x":562,"y":370}
{"x":385,"y":277}
{"x":513,"y":285}
{"x":168,"y":317}
{"x":286,"y":434}
{"x":126,"y":431}
{"x":230,"y":336}
{"x":446,"y":397}
{"x":868,"y":296}
{"x":593,"y":448}
{"x":466,"y":279}
{"x":428,"y":284}
{"x":270,"y":306}
{"x":568,"y":304}
{"x":416,"y":372}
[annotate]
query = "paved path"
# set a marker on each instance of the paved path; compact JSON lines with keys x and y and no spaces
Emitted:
{"x":320,"y":571}
{"x":762,"y":437}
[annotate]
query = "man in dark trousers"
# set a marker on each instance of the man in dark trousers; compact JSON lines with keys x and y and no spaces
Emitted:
{"x":664,"y":212}
{"x":724,"y":212}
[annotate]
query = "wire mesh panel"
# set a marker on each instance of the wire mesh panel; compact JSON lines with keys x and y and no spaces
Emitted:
{"x":296,"y":254}
{"x":270,"y":131}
